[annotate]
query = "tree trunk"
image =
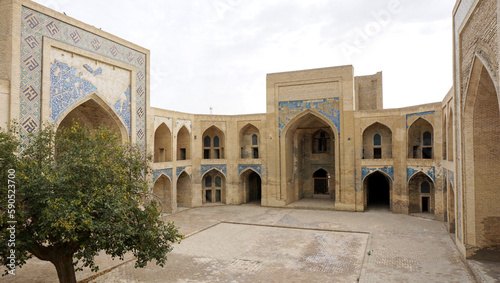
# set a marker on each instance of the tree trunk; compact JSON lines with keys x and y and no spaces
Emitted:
{"x":65,"y":268}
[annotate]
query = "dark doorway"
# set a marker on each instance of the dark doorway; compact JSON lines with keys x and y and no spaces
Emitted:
{"x":425,"y":204}
{"x":254,"y":186}
{"x":320,"y":182}
{"x":377,"y":188}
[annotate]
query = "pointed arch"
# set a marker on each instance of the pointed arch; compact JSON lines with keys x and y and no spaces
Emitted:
{"x":162,"y":193}
{"x":417,"y":146}
{"x":93,"y":112}
{"x":295,"y":143}
{"x":249,"y":141}
{"x":372,"y":150}
{"x":183,"y":144}
{"x":377,"y":188}
{"x":213,"y":151}
{"x":481,"y":151}
{"x":450,"y":140}
{"x":184,"y":191}
{"x":163,"y":144}
{"x":215,"y":190}
{"x":421,"y":201}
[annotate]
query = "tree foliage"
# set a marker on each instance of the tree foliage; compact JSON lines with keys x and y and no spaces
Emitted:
{"x":79,"y":192}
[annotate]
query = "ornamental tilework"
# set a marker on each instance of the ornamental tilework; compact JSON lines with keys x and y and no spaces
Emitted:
{"x":255,"y":167}
{"x":34,"y":27}
{"x":157,"y":173}
{"x":326,"y":107}
{"x":429,"y":171}
{"x":389,"y":170}
{"x":178,"y":171}
{"x":206,"y":168}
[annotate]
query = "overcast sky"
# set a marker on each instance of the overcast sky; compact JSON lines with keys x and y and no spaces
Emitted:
{"x":217,"y":52}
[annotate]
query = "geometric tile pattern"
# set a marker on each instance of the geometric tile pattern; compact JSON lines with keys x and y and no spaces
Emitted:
{"x":34,"y":27}
{"x":167,"y":172}
{"x":326,"y":107}
{"x":389,"y":170}
{"x":179,"y":170}
{"x":220,"y":168}
{"x":255,"y":167}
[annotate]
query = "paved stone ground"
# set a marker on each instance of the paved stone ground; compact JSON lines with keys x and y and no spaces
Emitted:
{"x":330,"y":246}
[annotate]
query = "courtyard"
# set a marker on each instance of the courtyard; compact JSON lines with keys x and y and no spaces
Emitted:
{"x":250,"y":243}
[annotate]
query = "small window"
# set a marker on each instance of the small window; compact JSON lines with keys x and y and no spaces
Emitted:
{"x":218,"y":181}
{"x":206,"y":141}
{"x":216,"y":141}
{"x":206,"y":154}
{"x":425,"y":188}
{"x":216,"y":154}
{"x":427,"y":136}
{"x":377,"y":140}
{"x":320,"y":142}
{"x":255,"y":152}
{"x":182,"y":154}
{"x":208,"y":181}
{"x":255,"y":139}
{"x":377,"y":153}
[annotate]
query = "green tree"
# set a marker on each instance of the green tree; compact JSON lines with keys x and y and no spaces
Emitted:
{"x":79,"y":192}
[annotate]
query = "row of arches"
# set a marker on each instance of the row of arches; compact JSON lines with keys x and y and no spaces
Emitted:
{"x":378,"y":189}
{"x":377,"y":141}
{"x":213,"y":189}
{"x":213,"y":143}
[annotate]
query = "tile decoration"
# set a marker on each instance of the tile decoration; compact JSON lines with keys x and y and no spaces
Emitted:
{"x":255,"y":167}
{"x":157,"y":173}
{"x":424,"y":115}
{"x":429,"y":171}
{"x":326,"y":107}
{"x":178,"y":171}
{"x":34,"y":27}
{"x":220,"y":167}
{"x":187,"y":123}
{"x":389,"y":170}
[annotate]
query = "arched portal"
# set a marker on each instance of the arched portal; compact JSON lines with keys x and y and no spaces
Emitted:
{"x":421,"y":193}
{"x":249,"y":142}
{"x":213,"y":185}
{"x":92,"y":114}
{"x":321,"y":182}
{"x":184,"y":195}
{"x":162,"y":194}
{"x":420,"y":140}
{"x":377,"y":142}
{"x":309,"y":143}
{"x":481,"y":147}
{"x":377,"y":187}
{"x":251,"y":186}
{"x":163,"y":144}
{"x":183,"y":144}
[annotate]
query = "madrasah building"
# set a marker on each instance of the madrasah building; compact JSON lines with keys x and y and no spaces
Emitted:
{"x":325,"y":137}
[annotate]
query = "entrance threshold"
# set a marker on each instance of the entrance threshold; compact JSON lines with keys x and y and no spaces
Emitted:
{"x":313,"y":204}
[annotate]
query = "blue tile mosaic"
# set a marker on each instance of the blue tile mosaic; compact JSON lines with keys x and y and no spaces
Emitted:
{"x":157,"y":173}
{"x":389,"y":170}
{"x":326,"y":107}
{"x":34,"y":27}
{"x":255,"y":167}
{"x":179,"y":170}
{"x":429,"y":171}
{"x":219,"y":167}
